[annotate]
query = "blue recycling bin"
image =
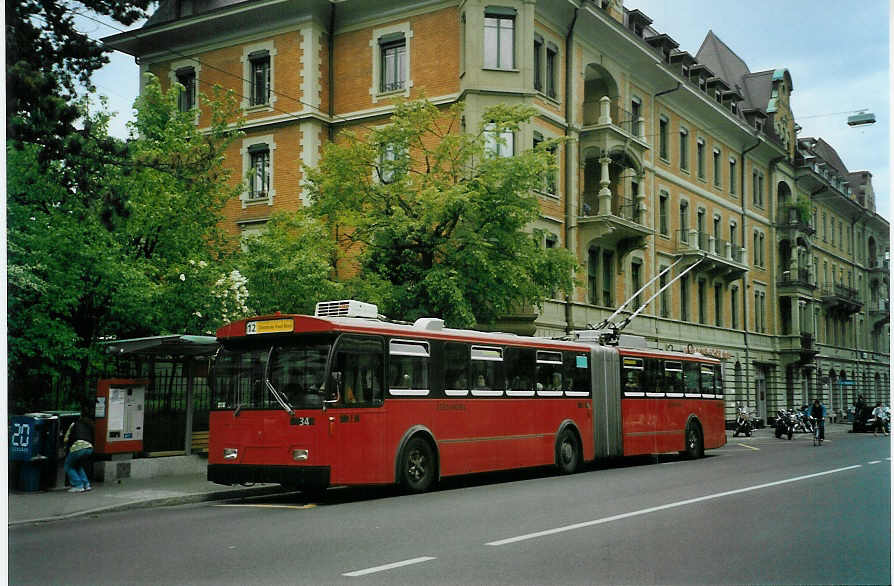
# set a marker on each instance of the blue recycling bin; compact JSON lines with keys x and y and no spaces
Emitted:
{"x":32,"y":450}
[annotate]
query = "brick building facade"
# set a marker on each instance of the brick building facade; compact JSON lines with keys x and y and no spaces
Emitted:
{"x":671,"y":157}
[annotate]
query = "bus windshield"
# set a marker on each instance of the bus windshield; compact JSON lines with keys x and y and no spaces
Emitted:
{"x":297,"y":371}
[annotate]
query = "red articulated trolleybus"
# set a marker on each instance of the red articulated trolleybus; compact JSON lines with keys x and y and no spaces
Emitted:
{"x":347,"y":398}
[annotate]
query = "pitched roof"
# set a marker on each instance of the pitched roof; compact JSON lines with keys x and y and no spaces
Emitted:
{"x":722,"y":60}
{"x":825,"y":151}
{"x":756,"y":88}
{"x":167,"y":9}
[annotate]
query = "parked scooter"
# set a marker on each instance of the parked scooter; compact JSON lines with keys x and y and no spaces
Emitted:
{"x":886,"y":421}
{"x":743,"y":423}
{"x":785,"y":424}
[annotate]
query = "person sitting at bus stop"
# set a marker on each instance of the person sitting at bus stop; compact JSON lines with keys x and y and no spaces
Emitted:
{"x":879,"y":424}
{"x":79,"y":441}
{"x":818,"y":412}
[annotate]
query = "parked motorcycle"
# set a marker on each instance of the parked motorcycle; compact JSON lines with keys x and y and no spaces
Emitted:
{"x":803,"y":422}
{"x":743,"y":423}
{"x":785,"y":424}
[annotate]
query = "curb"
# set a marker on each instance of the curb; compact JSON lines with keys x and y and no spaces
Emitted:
{"x":162,"y":502}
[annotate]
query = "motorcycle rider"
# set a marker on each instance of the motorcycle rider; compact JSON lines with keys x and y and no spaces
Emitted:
{"x":818,"y":412}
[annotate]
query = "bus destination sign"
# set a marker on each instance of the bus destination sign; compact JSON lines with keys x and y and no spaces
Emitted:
{"x":268,"y":326}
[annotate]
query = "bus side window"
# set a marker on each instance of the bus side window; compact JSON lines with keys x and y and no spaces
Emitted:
{"x":690,"y":376}
{"x":707,"y":379}
{"x":549,"y":371}
{"x":456,"y":369}
{"x":718,"y":379}
{"x":632,"y":375}
{"x":577,"y":372}
{"x":519,"y":364}
{"x":408,"y":367}
{"x":486,"y":369}
{"x":651,"y":382}
{"x":361,"y":362}
{"x":672,"y":381}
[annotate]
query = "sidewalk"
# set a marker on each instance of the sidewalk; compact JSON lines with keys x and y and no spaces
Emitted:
{"x":56,"y":504}
{"x":832,"y":429}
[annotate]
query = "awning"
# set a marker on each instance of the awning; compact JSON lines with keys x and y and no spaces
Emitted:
{"x":172,"y":345}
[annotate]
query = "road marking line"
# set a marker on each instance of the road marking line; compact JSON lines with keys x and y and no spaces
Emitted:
{"x":749,"y":447}
{"x":875,"y":462}
{"x":308,"y":506}
{"x":585,"y":524}
{"x":387,"y":567}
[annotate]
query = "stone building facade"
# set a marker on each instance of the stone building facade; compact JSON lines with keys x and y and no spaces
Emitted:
{"x":672,"y":160}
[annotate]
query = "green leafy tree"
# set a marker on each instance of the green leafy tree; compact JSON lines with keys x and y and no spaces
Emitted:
{"x":131,"y":248}
{"x":439,"y":224}
{"x":287,"y":266}
{"x":49,"y":63}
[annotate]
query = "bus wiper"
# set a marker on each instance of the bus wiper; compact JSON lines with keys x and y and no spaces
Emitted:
{"x":280,"y":398}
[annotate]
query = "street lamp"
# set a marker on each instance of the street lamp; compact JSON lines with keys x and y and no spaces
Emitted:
{"x":860,"y":118}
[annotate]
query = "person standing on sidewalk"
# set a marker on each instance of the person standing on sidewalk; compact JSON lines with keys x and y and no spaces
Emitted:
{"x":879,"y":423}
{"x":79,"y":439}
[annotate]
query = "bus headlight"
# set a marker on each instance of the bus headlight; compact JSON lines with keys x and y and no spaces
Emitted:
{"x":300,"y":455}
{"x":231,"y":453}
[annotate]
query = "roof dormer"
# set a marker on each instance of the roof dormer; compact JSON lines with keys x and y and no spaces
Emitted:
{"x":664,"y":44}
{"x":637,"y":22}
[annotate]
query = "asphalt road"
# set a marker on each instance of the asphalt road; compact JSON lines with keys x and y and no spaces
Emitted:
{"x":759,"y":510}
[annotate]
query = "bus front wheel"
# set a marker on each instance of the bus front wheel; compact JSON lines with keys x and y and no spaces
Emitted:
{"x":568,"y":456}
{"x":417,"y":466}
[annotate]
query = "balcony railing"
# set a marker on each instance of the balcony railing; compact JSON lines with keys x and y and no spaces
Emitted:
{"x":621,"y":207}
{"x":626,"y":208}
{"x":795,"y":278}
{"x":844,"y":299}
{"x":837,"y":290}
{"x":610,"y":111}
{"x":877,"y":264}
{"x":789,"y":216}
{"x":808,"y":348}
{"x":717,"y":247}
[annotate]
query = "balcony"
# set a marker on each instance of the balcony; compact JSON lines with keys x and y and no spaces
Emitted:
{"x":610,"y":128}
{"x":841,"y":299}
{"x":800,"y":347}
{"x":724,"y":260}
{"x":617,"y":222}
{"x":797,"y":281}
{"x":879,"y":312}
{"x":877,"y":265}
{"x":789,"y":220}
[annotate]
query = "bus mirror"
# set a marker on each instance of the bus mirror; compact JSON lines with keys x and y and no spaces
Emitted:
{"x":335,"y":388}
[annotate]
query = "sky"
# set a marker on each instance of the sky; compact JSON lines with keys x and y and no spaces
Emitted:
{"x":836,"y":52}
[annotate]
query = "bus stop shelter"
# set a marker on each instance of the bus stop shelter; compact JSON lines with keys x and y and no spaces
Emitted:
{"x":189,"y":353}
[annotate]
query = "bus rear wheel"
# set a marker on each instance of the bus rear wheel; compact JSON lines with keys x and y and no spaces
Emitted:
{"x":694,"y":445}
{"x":568,"y":454}
{"x":417,"y":466}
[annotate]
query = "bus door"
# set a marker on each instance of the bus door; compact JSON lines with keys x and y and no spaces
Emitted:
{"x":356,"y":418}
